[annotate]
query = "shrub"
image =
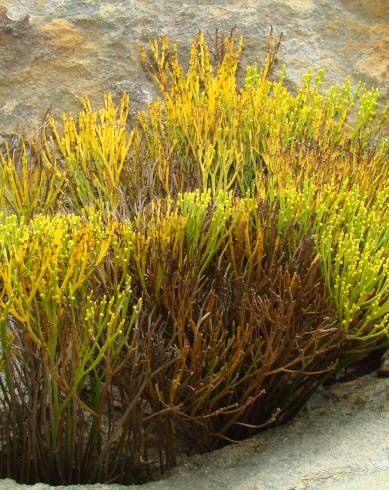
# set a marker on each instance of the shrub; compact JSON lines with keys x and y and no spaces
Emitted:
{"x":189,"y":275}
{"x":63,"y":342}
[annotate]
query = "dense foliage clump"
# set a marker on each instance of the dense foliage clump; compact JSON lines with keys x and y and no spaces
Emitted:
{"x":189,"y":275}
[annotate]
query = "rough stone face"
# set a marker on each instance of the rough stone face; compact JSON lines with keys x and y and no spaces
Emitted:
{"x":339,"y":441}
{"x":53,"y":51}
{"x":60,"y":35}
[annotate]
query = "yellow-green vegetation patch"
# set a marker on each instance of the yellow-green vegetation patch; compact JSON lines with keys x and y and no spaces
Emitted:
{"x":188,"y":275}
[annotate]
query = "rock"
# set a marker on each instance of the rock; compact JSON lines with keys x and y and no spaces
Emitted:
{"x":376,"y":62}
{"x":339,"y":441}
{"x":61,"y":35}
{"x":52,"y":52}
{"x":16,"y":37}
{"x":377,"y":10}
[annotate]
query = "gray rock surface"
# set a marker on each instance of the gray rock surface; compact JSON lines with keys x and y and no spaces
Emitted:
{"x":340,"y":441}
{"x":53,"y":51}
